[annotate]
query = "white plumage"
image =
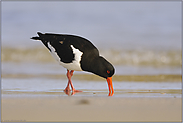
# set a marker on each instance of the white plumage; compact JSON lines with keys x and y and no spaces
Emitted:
{"x":75,"y":65}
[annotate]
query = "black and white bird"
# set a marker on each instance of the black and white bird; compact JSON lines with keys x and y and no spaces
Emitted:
{"x":77,"y":54}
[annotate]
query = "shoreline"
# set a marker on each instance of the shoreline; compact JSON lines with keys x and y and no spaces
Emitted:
{"x":93,"y":77}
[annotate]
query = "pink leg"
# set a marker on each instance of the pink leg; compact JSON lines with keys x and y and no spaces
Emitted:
{"x":67,"y":89}
{"x":69,"y":75}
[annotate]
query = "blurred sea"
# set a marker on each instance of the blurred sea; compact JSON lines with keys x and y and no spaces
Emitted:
{"x":138,"y":38}
{"x":126,"y":33}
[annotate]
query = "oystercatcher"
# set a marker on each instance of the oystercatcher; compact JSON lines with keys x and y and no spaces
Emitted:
{"x":76,"y":53}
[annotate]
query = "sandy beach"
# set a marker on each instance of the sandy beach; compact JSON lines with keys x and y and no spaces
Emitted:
{"x":28,"y":98}
{"x":70,"y":108}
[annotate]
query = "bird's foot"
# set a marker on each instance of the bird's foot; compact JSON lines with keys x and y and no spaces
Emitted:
{"x":67,"y":92}
{"x":75,"y":91}
{"x":67,"y":89}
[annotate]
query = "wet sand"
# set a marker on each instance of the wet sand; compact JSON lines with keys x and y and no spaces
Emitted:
{"x":82,"y":108}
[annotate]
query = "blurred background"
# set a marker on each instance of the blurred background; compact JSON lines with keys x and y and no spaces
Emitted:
{"x":131,"y":35}
{"x":138,"y":38}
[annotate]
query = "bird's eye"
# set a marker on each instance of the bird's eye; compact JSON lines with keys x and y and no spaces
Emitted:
{"x":108,"y":71}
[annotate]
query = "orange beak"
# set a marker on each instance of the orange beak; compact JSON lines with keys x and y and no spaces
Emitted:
{"x":111,"y":90}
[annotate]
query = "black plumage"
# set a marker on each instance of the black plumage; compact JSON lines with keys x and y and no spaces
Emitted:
{"x":90,"y":60}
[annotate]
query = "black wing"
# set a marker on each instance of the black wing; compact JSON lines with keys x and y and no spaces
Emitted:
{"x":62,"y":45}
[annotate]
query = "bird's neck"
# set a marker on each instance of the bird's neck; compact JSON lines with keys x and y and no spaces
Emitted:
{"x":93,"y":65}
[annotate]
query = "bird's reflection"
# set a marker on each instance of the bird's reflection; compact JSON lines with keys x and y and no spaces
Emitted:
{"x":70,"y":93}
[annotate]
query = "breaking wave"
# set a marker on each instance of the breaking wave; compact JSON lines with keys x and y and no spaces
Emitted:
{"x":115,"y":56}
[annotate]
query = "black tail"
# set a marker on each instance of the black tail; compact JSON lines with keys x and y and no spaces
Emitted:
{"x":37,"y":38}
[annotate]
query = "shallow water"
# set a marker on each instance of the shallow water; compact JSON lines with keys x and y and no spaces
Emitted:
{"x":55,"y":87}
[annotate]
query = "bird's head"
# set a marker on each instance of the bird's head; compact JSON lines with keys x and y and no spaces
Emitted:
{"x":104,"y":69}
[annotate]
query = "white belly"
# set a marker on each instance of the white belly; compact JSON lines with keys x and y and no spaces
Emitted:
{"x":74,"y":65}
